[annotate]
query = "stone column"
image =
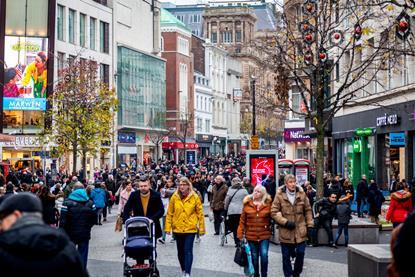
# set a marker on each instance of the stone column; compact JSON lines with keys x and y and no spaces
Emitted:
{"x":233,"y":32}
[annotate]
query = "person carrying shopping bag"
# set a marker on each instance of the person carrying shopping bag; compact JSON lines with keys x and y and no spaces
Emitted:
{"x":255,"y":226}
{"x":185,"y":219}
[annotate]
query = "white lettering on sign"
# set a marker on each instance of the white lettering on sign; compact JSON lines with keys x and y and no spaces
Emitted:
{"x":391,"y":119}
{"x":23,"y":141}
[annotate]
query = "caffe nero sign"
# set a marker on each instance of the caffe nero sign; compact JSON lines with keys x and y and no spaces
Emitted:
{"x":387,"y":120}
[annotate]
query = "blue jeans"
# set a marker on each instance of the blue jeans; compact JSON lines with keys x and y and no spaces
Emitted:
{"x":361,"y":205}
{"x":83,"y":251}
{"x":340,"y":229}
{"x":184,"y":242}
{"x":296,"y":251}
{"x":260,"y":249}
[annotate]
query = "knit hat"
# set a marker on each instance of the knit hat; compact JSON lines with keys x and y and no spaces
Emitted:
{"x":23,"y":202}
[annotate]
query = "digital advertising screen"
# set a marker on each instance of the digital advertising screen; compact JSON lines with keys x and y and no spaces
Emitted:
{"x":25,"y":73}
{"x":261,"y":166}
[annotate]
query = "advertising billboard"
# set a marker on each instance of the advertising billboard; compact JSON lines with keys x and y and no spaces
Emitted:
{"x":25,"y":75}
{"x":261,"y":165}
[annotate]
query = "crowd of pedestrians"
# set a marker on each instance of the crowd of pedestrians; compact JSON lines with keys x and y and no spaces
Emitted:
{"x":172,"y":195}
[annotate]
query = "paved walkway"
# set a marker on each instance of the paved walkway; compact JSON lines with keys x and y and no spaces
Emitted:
{"x":210,"y":259}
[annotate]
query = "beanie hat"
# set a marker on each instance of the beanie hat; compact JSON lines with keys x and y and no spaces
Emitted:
{"x":23,"y":202}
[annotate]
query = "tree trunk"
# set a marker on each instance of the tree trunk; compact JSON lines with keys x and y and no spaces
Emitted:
{"x":84,"y":152}
{"x":74,"y":158}
{"x":320,"y":162}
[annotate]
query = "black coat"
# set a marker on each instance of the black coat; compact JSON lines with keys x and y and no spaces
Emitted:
{"x":155,"y":209}
{"x":326,"y":209}
{"x":31,"y":248}
{"x":362,"y":190}
{"x":77,"y":219}
{"x":375,"y":200}
{"x":343,"y":212}
{"x":48,"y":204}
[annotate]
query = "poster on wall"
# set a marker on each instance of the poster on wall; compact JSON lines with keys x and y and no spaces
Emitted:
{"x":261,"y":166}
{"x":191,"y":157}
{"x":301,"y":174}
{"x":25,"y":75}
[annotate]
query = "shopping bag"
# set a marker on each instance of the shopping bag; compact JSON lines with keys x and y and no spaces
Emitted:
{"x":118,"y":224}
{"x":240,"y":257}
{"x":249,"y":268}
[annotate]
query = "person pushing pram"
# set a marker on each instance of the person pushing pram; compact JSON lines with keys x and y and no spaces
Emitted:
{"x":145,"y":203}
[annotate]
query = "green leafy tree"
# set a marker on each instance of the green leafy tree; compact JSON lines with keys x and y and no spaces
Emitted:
{"x":83,"y":111}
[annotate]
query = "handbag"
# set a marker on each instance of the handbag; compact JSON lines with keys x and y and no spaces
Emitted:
{"x":118,"y":224}
{"x":241,"y":258}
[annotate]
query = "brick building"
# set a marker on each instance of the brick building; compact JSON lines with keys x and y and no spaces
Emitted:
{"x":176,"y":50}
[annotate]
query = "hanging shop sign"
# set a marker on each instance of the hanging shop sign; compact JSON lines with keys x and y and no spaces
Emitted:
{"x":387,"y":120}
{"x":397,"y":139}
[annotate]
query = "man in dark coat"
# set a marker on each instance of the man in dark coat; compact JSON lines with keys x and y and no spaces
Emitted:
{"x":362,"y":192}
{"x":325,"y":210}
{"x":78,"y":215}
{"x":28,"y":247}
{"x":145,"y":202}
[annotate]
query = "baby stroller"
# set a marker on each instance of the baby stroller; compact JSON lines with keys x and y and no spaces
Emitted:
{"x":139,"y":245}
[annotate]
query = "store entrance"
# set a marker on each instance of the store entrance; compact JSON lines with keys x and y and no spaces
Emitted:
{"x":397,"y":165}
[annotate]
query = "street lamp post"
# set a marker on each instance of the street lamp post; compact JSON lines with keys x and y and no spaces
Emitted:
{"x":253,"y":81}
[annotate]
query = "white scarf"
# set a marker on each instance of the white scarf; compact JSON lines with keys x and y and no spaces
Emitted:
{"x":291,"y":196}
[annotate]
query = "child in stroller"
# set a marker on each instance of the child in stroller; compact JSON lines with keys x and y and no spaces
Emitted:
{"x":140,"y":245}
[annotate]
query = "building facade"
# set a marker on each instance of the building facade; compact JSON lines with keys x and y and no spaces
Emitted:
{"x":233,"y":25}
{"x":203,"y":114}
{"x":141,"y":81}
{"x":233,"y":105}
{"x":215,"y":64}
{"x":176,"y":50}
{"x":84,"y":31}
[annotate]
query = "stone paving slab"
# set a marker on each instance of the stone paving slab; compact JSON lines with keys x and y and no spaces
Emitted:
{"x":210,"y":259}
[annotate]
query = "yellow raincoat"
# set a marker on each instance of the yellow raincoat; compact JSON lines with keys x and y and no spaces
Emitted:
{"x":185,"y":215}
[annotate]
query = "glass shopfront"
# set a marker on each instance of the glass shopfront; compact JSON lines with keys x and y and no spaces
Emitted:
{"x":141,"y":89}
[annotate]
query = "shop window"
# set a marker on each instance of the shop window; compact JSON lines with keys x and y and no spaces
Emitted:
{"x":23,"y":122}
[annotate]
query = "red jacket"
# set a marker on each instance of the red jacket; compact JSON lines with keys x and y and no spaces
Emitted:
{"x":400,"y":206}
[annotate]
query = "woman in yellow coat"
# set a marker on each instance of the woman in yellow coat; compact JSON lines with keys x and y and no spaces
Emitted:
{"x":185,"y":218}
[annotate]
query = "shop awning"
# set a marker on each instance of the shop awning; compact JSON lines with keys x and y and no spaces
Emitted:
{"x":7,"y":138}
